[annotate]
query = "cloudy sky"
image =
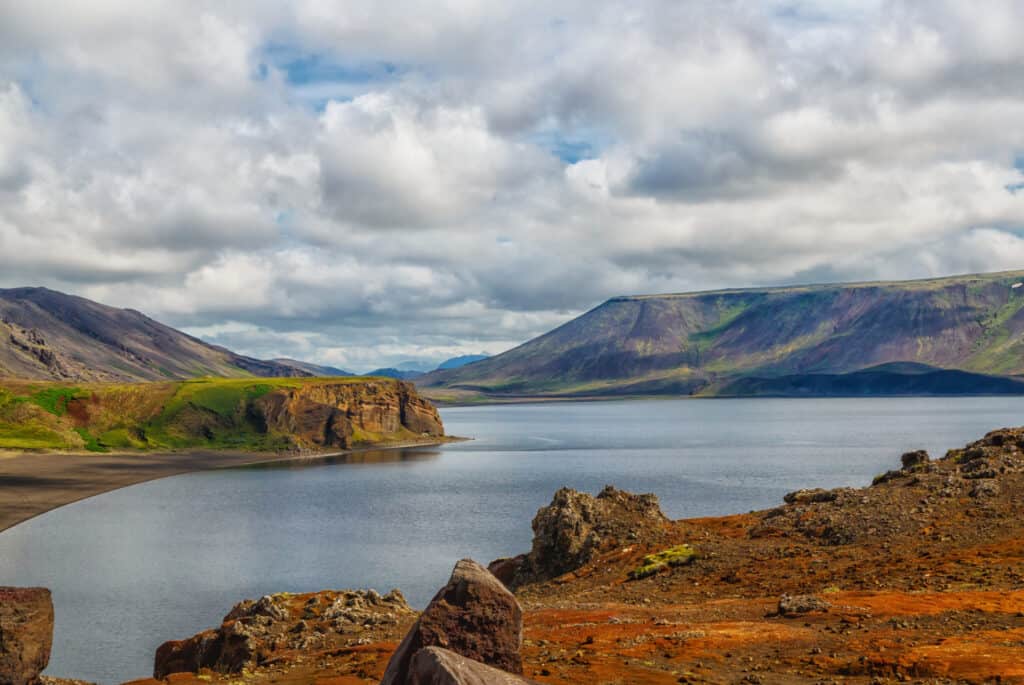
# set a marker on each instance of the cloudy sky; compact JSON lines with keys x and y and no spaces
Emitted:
{"x":362,"y":183}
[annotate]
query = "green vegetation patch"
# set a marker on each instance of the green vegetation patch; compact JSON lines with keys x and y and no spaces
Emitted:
{"x":91,"y":443}
{"x":680,"y":555}
{"x":55,"y":399}
{"x":31,"y":437}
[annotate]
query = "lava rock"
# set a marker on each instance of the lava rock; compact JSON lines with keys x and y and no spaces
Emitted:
{"x":474,"y":615}
{"x":436,"y":666}
{"x":797,"y":605}
{"x":505,"y":569}
{"x":810,"y":496}
{"x":26,"y":634}
{"x":254,"y":629}
{"x":914,"y":460}
{"x":576,"y":527}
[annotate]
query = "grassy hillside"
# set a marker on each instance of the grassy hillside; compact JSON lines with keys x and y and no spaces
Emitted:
{"x":48,"y":335}
{"x":215,"y":413}
{"x":693,"y":342}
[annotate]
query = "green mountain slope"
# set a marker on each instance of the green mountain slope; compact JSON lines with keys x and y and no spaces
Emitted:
{"x":696,"y":342}
{"x":48,"y":335}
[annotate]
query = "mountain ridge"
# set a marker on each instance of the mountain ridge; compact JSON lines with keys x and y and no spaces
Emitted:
{"x":690,"y":343}
{"x":49,"y":335}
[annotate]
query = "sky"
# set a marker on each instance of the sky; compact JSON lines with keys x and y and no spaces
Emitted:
{"x":361,"y":183}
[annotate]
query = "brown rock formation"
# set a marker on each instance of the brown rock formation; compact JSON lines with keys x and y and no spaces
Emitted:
{"x":344,"y":414}
{"x":436,"y":666}
{"x":473,"y":615}
{"x":283,"y":623}
{"x":576,"y":527}
{"x":26,"y":634}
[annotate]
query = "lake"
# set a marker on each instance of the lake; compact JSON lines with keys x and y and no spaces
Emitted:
{"x":162,"y":560}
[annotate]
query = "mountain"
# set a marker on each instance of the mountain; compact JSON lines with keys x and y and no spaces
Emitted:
{"x":874,"y":381}
{"x":313,"y":369}
{"x":459,"y":362}
{"x":420,"y":366}
{"x":391,"y":372}
{"x":697,"y":343}
{"x":48,"y":335}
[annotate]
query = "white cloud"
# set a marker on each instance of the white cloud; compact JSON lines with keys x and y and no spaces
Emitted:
{"x":159,"y":157}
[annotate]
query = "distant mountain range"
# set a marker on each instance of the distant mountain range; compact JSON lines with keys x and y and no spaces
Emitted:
{"x":391,"y":372}
{"x":49,"y":335}
{"x":313,"y":369}
{"x":459,"y":362}
{"x":800,"y":340}
{"x":413,"y":370}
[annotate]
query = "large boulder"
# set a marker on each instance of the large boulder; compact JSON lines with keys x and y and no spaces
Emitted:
{"x":474,"y":615}
{"x":576,"y":527}
{"x":436,"y":666}
{"x":26,"y":634}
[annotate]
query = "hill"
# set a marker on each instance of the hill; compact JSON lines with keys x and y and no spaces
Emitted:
{"x":48,"y":335}
{"x":458,"y":362}
{"x":697,"y":343}
{"x":874,"y":381}
{"x":391,"y":372}
{"x":313,"y":369}
{"x":267,"y":414}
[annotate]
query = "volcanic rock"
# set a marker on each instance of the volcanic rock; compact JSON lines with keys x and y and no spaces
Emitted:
{"x":795,"y":605}
{"x":474,"y":615}
{"x":504,"y":569}
{"x":436,"y":666}
{"x":915,"y":459}
{"x":576,"y":527}
{"x":26,"y":634}
{"x":275,"y":624}
{"x":806,"y":496}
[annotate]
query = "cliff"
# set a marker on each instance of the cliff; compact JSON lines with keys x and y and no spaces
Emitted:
{"x":257,"y":414}
{"x":698,"y":343}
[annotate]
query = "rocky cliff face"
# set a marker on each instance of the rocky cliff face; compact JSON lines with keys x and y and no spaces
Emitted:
{"x":347,"y":414}
{"x":26,"y":634}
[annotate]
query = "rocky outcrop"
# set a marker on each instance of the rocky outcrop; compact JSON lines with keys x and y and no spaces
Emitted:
{"x":474,"y":615}
{"x":26,"y":634}
{"x":902,"y":501}
{"x":792,"y":606}
{"x":436,"y":666}
{"x":277,"y":624}
{"x":576,"y":527}
{"x":345,"y":414}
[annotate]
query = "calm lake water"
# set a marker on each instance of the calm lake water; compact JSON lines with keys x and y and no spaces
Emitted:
{"x":163,"y":560}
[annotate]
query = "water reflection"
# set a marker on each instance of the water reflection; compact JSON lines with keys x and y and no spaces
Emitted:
{"x":381,"y":456}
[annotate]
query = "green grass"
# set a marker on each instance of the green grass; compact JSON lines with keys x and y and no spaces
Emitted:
{"x":680,"y":555}
{"x":31,"y":437}
{"x":91,"y":443}
{"x":55,"y":400}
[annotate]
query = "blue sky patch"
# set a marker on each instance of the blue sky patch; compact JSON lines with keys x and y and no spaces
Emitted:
{"x":317,"y":78}
{"x":569,"y":149}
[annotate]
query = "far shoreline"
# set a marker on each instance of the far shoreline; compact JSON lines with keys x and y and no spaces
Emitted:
{"x":34,"y":483}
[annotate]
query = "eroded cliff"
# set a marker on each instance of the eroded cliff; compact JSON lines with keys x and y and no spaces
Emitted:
{"x":254,"y":413}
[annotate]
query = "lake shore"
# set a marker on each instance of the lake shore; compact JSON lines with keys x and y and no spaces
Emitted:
{"x":33,"y":483}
